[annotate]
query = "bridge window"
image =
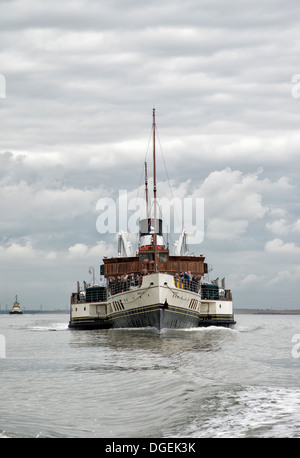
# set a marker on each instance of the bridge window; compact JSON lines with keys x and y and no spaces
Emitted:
{"x":144,"y":256}
{"x":163,"y":257}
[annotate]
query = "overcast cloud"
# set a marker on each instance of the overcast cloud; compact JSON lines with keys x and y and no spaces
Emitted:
{"x":82,"y":77}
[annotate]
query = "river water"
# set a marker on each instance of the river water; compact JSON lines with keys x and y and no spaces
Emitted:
{"x":133,"y":383}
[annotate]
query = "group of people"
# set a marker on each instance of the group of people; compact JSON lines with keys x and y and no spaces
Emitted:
{"x":186,"y":280}
{"x":123,"y":283}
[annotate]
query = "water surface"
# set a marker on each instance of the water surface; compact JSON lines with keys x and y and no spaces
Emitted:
{"x":204,"y":382}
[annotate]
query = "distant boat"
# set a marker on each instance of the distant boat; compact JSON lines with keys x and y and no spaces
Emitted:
{"x":16,"y":310}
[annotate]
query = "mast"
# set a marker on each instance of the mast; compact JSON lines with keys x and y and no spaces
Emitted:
{"x":154,"y":194}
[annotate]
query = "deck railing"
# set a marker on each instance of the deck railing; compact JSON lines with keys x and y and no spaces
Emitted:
{"x":122,"y":285}
{"x":206,"y":291}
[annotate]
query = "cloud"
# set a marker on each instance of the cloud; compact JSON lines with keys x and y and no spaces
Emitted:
{"x":96,"y":252}
{"x":285,"y":277}
{"x":15,"y":251}
{"x":219,"y":229}
{"x":277,"y":246}
{"x":234,"y":193}
{"x":283,"y":227}
{"x":82,"y":77}
{"x":78,"y":250}
{"x":296,"y":226}
{"x":279,"y":227}
{"x":250,"y":280}
{"x":234,"y":199}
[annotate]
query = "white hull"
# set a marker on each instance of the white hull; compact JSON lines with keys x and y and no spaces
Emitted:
{"x":157,"y":303}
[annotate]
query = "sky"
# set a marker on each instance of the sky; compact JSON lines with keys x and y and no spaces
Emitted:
{"x":81,"y":80}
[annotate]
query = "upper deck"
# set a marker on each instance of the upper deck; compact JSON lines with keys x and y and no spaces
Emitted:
{"x":144,"y":263}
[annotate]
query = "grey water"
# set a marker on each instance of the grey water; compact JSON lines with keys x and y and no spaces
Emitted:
{"x":122,"y":383}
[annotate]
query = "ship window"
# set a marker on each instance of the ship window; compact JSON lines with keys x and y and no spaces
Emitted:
{"x":149,"y":256}
{"x":163,"y":257}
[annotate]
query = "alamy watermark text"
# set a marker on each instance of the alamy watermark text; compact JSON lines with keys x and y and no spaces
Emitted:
{"x":124,"y":214}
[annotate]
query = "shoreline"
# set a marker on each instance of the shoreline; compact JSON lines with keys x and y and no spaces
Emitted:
{"x":237,"y":311}
{"x":25,"y":312}
{"x":267,"y":312}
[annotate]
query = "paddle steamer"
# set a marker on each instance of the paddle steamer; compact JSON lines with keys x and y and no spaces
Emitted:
{"x":153,"y":288}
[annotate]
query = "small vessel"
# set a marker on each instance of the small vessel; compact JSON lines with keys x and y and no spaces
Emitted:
{"x":16,"y":309}
{"x":152,"y":288}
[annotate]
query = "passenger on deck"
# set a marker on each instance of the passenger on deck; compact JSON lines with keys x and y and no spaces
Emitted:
{"x":187,"y":281}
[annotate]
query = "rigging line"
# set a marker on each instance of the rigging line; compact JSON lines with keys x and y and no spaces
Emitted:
{"x":138,"y":189}
{"x":168,"y":177}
